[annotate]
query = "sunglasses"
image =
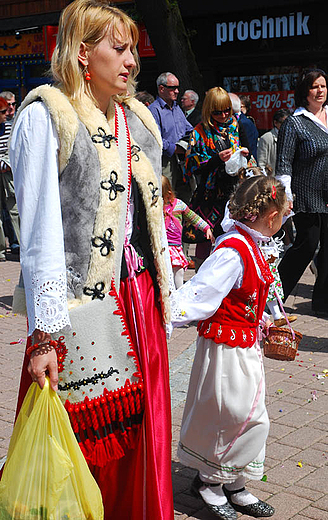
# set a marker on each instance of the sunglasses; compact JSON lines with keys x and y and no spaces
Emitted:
{"x":220,"y":112}
{"x":171,"y":87}
{"x":3,"y":111}
{"x":13,"y":104}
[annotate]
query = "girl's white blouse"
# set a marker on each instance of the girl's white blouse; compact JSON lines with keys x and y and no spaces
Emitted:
{"x":202,"y":295}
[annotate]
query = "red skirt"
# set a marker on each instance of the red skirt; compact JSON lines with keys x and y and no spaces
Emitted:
{"x":139,"y":486}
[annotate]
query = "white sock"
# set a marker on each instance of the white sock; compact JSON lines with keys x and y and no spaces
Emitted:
{"x":213,"y":495}
{"x":244,"y":498}
{"x":274,"y":309}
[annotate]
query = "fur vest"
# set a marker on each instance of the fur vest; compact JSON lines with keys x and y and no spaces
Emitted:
{"x":94,"y":190}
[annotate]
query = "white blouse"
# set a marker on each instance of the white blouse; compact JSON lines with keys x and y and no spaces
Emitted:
{"x":202,"y":295}
{"x":34,"y":149}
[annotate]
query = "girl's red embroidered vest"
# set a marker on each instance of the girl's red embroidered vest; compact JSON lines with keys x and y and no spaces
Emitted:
{"x":235,"y":322}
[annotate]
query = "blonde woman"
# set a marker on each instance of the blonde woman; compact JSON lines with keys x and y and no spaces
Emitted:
{"x":87,"y":162}
{"x":211,"y":145}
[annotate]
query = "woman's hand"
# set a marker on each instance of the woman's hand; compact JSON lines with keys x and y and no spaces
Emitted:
{"x":209,"y":235}
{"x":43,"y":361}
{"x":244,"y":152}
{"x":225,"y":154}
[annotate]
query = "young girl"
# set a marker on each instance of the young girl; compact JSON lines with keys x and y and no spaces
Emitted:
{"x":175,"y":210}
{"x":270,"y":250}
{"x":225,"y":422}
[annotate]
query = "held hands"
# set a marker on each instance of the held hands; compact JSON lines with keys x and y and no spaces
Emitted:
{"x":43,"y":361}
{"x":268,"y":323}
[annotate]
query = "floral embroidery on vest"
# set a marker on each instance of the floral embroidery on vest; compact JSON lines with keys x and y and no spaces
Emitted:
{"x":250,"y":308}
{"x":103,"y":138}
{"x":112,"y":186}
{"x":105,"y":242}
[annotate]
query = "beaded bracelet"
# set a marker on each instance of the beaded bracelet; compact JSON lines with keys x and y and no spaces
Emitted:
{"x":51,"y":344}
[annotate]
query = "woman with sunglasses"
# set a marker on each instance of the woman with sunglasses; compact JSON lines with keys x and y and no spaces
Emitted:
{"x":211,"y":145}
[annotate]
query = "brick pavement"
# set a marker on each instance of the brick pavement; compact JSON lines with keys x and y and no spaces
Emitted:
{"x":297,"y":399}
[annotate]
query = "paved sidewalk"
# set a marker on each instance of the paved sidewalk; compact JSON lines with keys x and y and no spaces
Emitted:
{"x":297,"y":402}
{"x":297,"y":399}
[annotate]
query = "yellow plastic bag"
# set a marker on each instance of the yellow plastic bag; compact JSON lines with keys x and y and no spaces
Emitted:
{"x":46,"y":476}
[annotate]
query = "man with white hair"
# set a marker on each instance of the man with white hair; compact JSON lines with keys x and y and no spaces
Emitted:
{"x":172,"y":125}
{"x":189,"y":101}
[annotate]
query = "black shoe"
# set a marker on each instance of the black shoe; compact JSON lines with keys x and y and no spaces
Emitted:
{"x":15,"y":249}
{"x":259,"y":509}
{"x":225,"y":512}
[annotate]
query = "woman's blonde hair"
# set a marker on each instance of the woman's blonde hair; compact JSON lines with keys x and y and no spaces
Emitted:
{"x":255,"y":196}
{"x":87,"y":21}
{"x":216,"y":99}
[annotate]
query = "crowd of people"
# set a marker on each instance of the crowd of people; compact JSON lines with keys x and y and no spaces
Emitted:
{"x":109,"y":194}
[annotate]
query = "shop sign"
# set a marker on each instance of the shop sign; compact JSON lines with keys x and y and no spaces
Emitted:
{"x":145,"y":47}
{"x":21,"y":44}
{"x":264,"y":27}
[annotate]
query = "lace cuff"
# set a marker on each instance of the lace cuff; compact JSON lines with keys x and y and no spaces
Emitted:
{"x":50,"y":304}
{"x":179,"y":300}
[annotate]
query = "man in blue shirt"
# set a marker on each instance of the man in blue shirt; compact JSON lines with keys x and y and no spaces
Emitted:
{"x":173,"y":126}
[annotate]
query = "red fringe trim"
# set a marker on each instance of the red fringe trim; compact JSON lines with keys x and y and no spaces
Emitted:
{"x":107,"y":426}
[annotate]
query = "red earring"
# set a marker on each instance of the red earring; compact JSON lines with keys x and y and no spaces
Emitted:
{"x":87,"y":75}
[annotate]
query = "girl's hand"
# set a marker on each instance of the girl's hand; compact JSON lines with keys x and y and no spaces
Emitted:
{"x":244,"y":152}
{"x":209,"y":235}
{"x":225,"y":154}
{"x":43,"y":361}
{"x":267,"y":325}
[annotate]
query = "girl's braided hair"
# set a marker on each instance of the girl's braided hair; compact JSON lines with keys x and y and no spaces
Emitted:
{"x":255,"y":196}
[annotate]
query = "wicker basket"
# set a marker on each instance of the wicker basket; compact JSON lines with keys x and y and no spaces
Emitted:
{"x":279,"y":344}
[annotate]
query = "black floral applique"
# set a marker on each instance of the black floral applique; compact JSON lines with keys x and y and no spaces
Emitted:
{"x":75,"y":385}
{"x":96,"y":292}
{"x":103,"y":138}
{"x":105,"y":242}
{"x":135,"y":149}
{"x":112,"y":186}
{"x":154,"y":194}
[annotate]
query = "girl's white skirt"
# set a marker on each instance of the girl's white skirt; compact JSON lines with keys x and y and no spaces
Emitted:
{"x":225,"y":423}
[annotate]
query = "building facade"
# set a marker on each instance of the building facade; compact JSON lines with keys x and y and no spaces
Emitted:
{"x":257,"y":50}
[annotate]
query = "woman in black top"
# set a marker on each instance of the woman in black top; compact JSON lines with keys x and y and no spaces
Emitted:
{"x":302,"y":161}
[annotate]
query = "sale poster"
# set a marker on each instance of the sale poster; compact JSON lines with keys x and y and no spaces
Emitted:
{"x":267,"y":93}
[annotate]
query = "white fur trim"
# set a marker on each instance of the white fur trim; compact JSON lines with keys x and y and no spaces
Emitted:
{"x":146,"y":117}
{"x":67,"y":126}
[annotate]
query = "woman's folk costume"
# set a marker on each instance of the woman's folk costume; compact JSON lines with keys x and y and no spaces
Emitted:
{"x":95,"y":245}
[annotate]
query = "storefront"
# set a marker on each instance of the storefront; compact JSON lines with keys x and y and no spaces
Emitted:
{"x":24,"y":60}
{"x":261,"y":52}
{"x":258,"y":51}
